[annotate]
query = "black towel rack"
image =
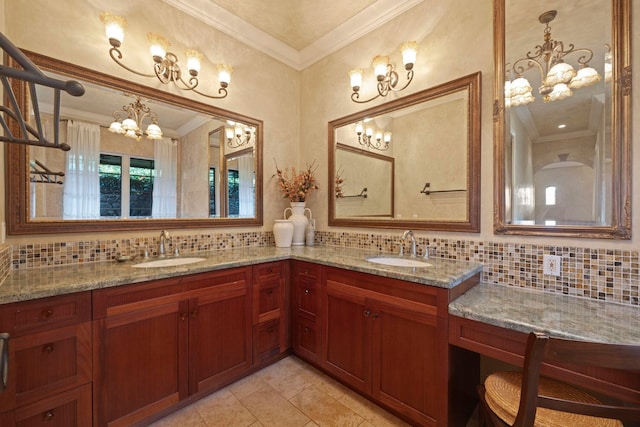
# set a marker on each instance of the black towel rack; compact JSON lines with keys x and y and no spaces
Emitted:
{"x":30,"y":135}
{"x":362,"y":194}
{"x":427,"y":190}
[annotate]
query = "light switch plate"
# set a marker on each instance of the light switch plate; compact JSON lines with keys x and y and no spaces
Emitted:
{"x":552,"y":265}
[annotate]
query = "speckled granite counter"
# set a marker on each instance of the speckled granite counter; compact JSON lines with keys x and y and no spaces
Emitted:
{"x":559,"y":315}
{"x":38,"y":283}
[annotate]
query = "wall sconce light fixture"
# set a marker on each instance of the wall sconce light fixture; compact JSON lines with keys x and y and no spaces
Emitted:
{"x":557,"y":77}
{"x":385,"y":72}
{"x":238,"y":135}
{"x":131,"y":127}
{"x":373,"y":138}
{"x":165,"y":64}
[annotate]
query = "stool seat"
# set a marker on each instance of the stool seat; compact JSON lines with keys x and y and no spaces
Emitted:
{"x":502,"y":394}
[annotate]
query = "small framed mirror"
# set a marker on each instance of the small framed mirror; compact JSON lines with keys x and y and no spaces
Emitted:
{"x":413,"y":162}
{"x":562,"y":118}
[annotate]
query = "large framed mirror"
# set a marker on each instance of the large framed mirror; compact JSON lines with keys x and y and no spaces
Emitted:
{"x":562,"y":118}
{"x":413,"y":162}
{"x":205,"y":171}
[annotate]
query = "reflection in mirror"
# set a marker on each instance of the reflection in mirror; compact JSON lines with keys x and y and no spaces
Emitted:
{"x":562,"y":137}
{"x":139,"y":158}
{"x":381,"y":159}
{"x":367,"y":182}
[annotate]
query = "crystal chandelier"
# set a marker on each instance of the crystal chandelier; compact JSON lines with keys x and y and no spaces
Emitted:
{"x":165,"y":64}
{"x":386,"y":75}
{"x":558,"y":77}
{"x":131,"y":127}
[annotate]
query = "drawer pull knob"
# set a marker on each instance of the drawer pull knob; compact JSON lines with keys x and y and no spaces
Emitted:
{"x":306,"y":330}
{"x":376,"y":315}
{"x":270,"y":330}
{"x":367,"y":313}
{"x":48,"y":348}
{"x":48,"y":416}
{"x":270,"y":291}
{"x":47,"y":312}
{"x":183,"y":316}
{"x":194,"y":313}
{"x":307,"y":291}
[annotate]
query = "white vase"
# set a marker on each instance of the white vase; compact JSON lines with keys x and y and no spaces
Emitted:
{"x":299,"y":220}
{"x":283,"y":232}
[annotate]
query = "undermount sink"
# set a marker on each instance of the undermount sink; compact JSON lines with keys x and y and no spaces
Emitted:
{"x":398,"y":262}
{"x":168,"y":262}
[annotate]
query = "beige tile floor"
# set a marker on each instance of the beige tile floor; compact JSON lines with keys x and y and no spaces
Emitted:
{"x":287,"y":393}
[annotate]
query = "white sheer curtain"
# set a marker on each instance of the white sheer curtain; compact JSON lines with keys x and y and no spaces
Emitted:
{"x":245,"y":186}
{"x":81,"y":194}
{"x":165,"y":182}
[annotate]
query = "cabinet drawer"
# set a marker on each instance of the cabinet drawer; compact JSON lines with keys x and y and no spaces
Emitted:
{"x":268,"y":298}
{"x":268,"y":339}
{"x":305,"y":338}
{"x":69,"y":409}
{"x":266,"y":271}
{"x":306,"y":270}
{"x":38,"y":315}
{"x":50,"y":362}
{"x":306,"y":296}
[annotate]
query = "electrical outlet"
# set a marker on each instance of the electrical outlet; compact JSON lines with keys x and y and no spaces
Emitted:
{"x":552,"y":265}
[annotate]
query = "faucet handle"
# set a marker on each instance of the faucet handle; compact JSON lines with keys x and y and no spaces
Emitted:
{"x":146,"y":251}
{"x":428,"y":251}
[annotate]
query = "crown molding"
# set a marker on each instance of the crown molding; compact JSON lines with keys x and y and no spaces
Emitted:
{"x":362,"y":23}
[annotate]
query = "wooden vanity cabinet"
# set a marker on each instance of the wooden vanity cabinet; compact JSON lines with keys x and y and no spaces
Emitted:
{"x":49,"y":378}
{"x":388,"y":339}
{"x":270,"y":311}
{"x":306,"y":279}
{"x":160,"y":342}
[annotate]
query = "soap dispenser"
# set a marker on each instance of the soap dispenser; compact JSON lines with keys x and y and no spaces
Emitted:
{"x":310,"y":233}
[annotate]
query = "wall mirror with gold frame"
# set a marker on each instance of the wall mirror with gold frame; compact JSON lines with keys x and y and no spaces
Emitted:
{"x":562,"y":118}
{"x":211,"y":176}
{"x":413,"y":162}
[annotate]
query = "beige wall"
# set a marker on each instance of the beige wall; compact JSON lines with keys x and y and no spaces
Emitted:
{"x":455,"y":39}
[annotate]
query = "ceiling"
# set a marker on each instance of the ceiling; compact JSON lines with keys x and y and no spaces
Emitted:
{"x":296,"y":32}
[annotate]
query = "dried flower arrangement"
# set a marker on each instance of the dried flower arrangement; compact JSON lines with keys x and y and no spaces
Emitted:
{"x":338,"y":184}
{"x":295,"y":185}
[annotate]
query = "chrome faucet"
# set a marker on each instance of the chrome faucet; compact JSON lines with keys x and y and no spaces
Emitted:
{"x":413,"y":242}
{"x":164,"y":236}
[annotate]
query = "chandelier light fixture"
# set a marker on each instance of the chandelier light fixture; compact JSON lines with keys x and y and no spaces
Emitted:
{"x":165,"y":64}
{"x":371,"y":137}
{"x":557,"y":77}
{"x":238,"y":135}
{"x":131,"y":127}
{"x":385,"y":73}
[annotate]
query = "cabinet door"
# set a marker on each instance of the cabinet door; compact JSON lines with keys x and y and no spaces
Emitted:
{"x":140,"y":362}
{"x":406,"y":359}
{"x":219,"y":336}
{"x":347,"y":349}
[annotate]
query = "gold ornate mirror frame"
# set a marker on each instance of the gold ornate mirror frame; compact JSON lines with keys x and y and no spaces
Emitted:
{"x":620,"y":224}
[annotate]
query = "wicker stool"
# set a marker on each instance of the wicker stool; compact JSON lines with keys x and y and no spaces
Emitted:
{"x":502,"y":394}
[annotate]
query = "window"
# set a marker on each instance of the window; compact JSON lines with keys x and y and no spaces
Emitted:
{"x":126,"y":186}
{"x":234,"y":192}
{"x":212,"y":192}
{"x":550,"y":196}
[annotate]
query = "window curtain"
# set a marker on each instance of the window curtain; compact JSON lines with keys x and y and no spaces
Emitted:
{"x":81,"y":194}
{"x":165,"y":181}
{"x":245,"y":186}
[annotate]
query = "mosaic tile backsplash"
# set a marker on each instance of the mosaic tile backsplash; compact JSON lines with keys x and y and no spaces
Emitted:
{"x":603,"y":274}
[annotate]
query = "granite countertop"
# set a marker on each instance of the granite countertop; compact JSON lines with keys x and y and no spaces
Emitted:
{"x":565,"y":316}
{"x":28,"y":284}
